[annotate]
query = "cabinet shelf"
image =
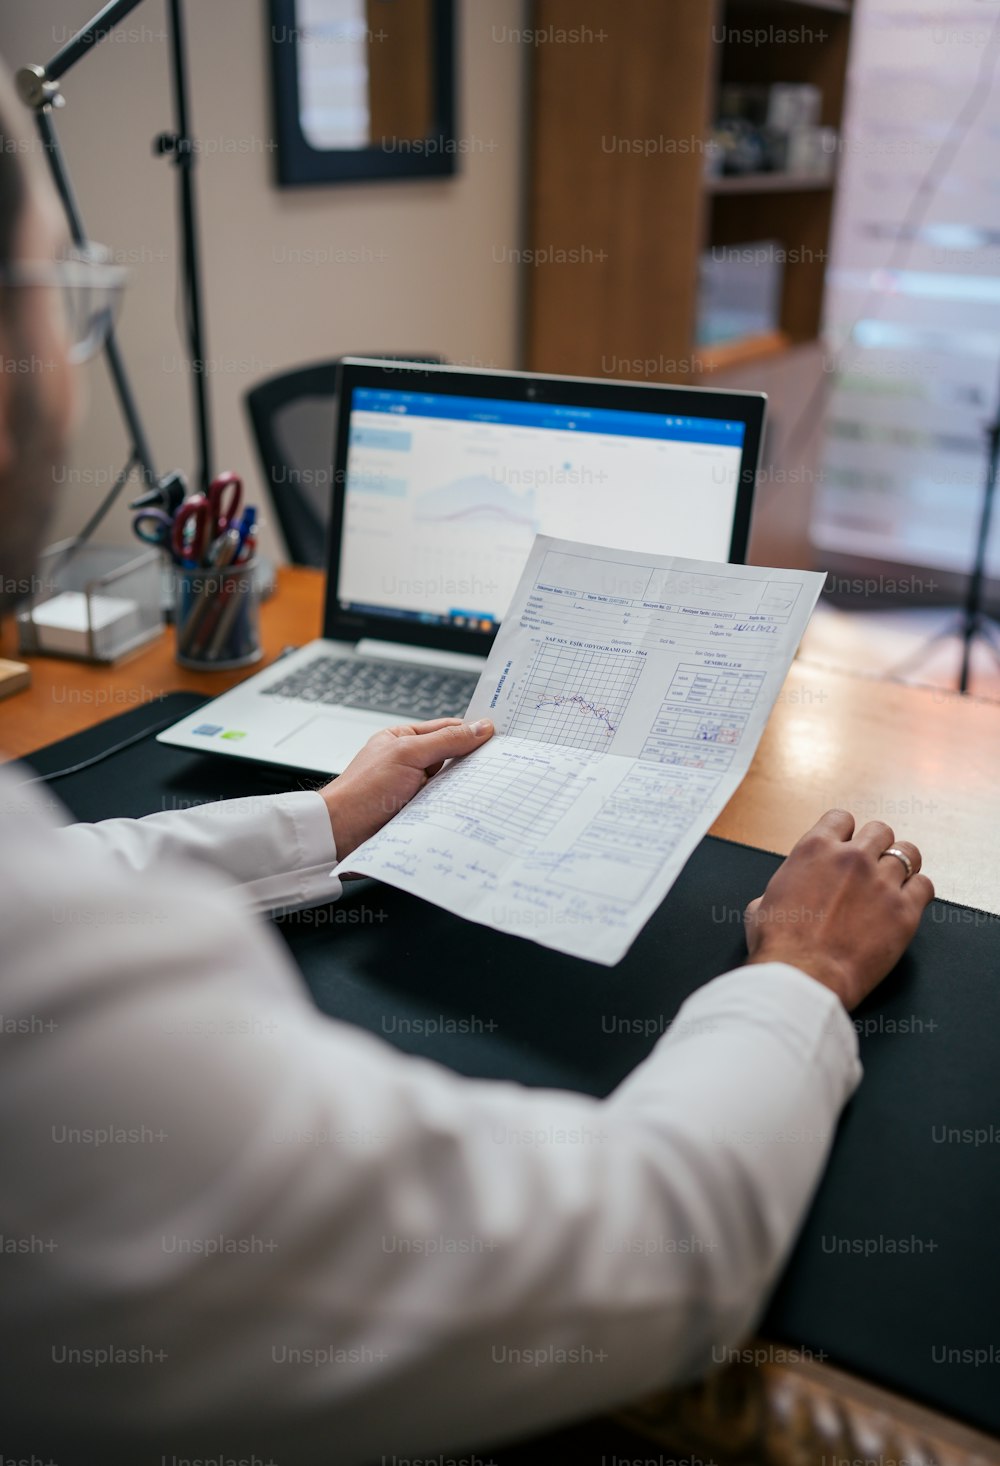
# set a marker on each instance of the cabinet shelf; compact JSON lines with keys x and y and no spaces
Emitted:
{"x":740,"y":352}
{"x":767,"y":183}
{"x":835,"y":7}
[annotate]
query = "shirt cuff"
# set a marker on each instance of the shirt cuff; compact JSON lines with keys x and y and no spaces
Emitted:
{"x":307,"y":882}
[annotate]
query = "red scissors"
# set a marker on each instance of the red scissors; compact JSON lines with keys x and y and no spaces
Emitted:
{"x":201,"y":519}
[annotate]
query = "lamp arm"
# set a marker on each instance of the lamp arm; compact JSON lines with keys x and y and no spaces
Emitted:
{"x":104,"y":21}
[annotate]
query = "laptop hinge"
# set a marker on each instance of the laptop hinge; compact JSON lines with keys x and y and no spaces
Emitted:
{"x":396,"y":651}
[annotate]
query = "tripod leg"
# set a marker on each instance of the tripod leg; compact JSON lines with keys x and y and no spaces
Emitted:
{"x":954,"y":627}
{"x":989,"y":632}
{"x":974,"y":597}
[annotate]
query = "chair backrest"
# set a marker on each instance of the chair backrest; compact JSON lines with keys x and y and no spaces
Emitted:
{"x":293,"y":417}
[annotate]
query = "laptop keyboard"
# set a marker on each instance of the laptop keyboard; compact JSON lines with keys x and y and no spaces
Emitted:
{"x":381,"y":686}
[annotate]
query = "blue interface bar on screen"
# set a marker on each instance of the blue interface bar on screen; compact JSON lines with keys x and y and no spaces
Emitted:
{"x":607,"y":421}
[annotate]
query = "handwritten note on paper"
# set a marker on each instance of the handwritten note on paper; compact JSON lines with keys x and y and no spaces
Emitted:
{"x":629,"y":693}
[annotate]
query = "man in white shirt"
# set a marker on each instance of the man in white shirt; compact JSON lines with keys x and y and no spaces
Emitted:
{"x":304,"y":1245}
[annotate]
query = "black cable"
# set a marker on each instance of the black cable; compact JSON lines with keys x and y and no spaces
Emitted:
{"x":98,"y":758}
{"x":906,"y":236}
{"x":105,"y":505}
{"x":95,"y":519}
{"x":87,"y":763}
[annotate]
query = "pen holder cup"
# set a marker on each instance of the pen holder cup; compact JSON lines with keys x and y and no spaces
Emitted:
{"x":217,"y":617}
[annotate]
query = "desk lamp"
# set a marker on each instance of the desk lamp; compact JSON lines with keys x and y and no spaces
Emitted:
{"x":39,"y":88}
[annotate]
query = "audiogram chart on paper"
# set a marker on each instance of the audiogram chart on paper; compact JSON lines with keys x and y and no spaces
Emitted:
{"x":576,"y":697}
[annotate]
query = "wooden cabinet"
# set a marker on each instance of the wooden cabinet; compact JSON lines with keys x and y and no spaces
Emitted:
{"x":621,"y":204}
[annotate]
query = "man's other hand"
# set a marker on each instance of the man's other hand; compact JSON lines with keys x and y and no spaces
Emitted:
{"x":393,"y":766}
{"x":840,"y":908}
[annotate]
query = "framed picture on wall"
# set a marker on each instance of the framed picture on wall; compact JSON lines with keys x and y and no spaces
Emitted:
{"x":363,"y":89}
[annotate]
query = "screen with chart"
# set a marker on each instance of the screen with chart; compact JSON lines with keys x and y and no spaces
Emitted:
{"x":444,"y":495}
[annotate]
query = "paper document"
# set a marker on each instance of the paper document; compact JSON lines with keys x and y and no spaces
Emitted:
{"x":629,"y":693}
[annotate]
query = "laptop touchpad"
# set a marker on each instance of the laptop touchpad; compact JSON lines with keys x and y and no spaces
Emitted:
{"x":329,"y":741}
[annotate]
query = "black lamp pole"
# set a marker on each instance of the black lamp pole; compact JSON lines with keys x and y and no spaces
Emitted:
{"x":180,"y":145}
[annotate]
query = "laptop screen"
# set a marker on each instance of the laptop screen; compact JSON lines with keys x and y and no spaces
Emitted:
{"x":444,"y":494}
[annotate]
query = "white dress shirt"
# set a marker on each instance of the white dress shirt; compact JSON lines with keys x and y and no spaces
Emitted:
{"x":231,"y":1227}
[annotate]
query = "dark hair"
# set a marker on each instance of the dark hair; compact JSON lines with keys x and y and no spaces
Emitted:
{"x":13,"y":182}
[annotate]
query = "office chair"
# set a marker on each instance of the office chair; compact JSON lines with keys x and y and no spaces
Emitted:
{"x":293,"y":417}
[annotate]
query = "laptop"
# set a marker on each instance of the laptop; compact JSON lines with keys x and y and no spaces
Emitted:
{"x":442,"y":478}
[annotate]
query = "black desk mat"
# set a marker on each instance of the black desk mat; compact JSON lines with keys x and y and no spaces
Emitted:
{"x":896,"y":1275}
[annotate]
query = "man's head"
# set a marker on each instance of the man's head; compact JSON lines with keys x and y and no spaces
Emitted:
{"x":37,"y":391}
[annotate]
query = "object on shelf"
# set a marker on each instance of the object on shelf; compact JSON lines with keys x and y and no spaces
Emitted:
{"x":739,"y":291}
{"x":771,"y":130}
{"x":812,"y":152}
{"x":791,"y":106}
{"x":95,"y":604}
{"x":736,"y":147}
{"x":747,"y":103}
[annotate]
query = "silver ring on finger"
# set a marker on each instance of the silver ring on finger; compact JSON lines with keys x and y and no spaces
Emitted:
{"x":900,"y":855}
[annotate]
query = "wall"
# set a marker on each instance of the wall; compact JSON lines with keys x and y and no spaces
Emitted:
{"x":423,"y":273}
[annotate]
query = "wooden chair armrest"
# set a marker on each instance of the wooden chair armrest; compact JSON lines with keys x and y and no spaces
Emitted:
{"x":774,"y":1407}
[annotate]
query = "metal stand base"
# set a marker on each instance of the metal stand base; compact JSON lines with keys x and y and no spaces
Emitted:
{"x":981,"y":628}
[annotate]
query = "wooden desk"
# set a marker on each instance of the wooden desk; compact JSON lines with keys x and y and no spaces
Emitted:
{"x":925,"y":761}
{"x":67,"y":696}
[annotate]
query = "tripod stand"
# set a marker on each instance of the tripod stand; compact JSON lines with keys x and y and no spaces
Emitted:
{"x":972,"y":624}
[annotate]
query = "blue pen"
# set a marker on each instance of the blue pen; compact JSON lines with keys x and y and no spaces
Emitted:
{"x":245,"y":527}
